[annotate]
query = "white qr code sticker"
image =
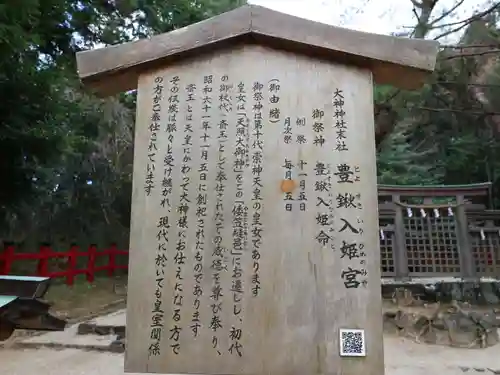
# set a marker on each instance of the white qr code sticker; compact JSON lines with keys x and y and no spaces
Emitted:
{"x":352,"y":343}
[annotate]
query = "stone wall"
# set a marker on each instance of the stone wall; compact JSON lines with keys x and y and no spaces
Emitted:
{"x":443,"y":322}
{"x":483,"y":292}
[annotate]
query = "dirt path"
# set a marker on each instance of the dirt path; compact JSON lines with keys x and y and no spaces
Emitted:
{"x":403,"y":357}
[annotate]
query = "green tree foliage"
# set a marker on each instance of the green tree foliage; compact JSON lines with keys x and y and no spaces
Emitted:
{"x":65,"y":156}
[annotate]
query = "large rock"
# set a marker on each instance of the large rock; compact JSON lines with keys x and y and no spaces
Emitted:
{"x":6,"y":330}
{"x":452,"y":324}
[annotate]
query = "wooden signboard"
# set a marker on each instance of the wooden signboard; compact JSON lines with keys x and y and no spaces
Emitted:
{"x":254,"y":234}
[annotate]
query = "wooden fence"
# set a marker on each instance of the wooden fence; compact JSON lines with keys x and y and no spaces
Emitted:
{"x":425,"y":232}
{"x":66,"y":264}
{"x":438,"y":232}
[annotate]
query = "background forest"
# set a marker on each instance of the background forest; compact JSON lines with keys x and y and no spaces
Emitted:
{"x":66,"y":156}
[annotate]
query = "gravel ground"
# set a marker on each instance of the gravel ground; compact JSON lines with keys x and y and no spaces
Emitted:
{"x":402,"y":356}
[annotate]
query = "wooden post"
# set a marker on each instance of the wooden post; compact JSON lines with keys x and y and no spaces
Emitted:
{"x":72,"y":262}
{"x":254,"y":242}
{"x":112,"y":260}
{"x":467,"y":262}
{"x":400,"y":251}
{"x":43,"y":262}
{"x":8,"y":258}
{"x":92,"y":253}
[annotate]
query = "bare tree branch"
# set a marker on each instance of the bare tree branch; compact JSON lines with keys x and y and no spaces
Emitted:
{"x":473,"y":17}
{"x":465,"y":46}
{"x":414,"y":10}
{"x":423,"y":27}
{"x":465,"y":22}
{"x":416,"y":4}
{"x":467,"y":84}
{"x":472,"y":54}
{"x":465,"y":111}
{"x":446,"y":13}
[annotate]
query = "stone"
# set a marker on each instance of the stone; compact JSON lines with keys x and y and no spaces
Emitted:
{"x":6,"y":330}
{"x":492,"y":338}
{"x":487,"y":320}
{"x":456,"y":325}
{"x":403,"y":320}
{"x":117,"y":346}
{"x":102,"y":330}
{"x":403,"y":297}
{"x":389,"y":323}
{"x":490,"y":293}
{"x":486,"y":292}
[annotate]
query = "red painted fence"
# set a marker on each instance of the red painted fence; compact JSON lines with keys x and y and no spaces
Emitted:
{"x":69,"y":259}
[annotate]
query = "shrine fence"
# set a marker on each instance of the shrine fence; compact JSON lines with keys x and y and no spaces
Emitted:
{"x":68,"y":264}
{"x":438,"y":231}
{"x":425,"y":232}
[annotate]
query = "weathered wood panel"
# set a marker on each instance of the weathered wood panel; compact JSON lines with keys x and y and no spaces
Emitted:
{"x":221,"y":145}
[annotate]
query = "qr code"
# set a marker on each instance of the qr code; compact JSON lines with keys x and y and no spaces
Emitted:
{"x":352,"y":343}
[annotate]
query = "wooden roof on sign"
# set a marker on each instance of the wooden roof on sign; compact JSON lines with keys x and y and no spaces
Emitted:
{"x":400,"y":62}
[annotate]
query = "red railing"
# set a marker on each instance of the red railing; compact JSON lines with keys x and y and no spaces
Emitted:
{"x":69,"y":259}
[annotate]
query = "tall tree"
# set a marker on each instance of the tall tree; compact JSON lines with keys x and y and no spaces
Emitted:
{"x":65,"y":155}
